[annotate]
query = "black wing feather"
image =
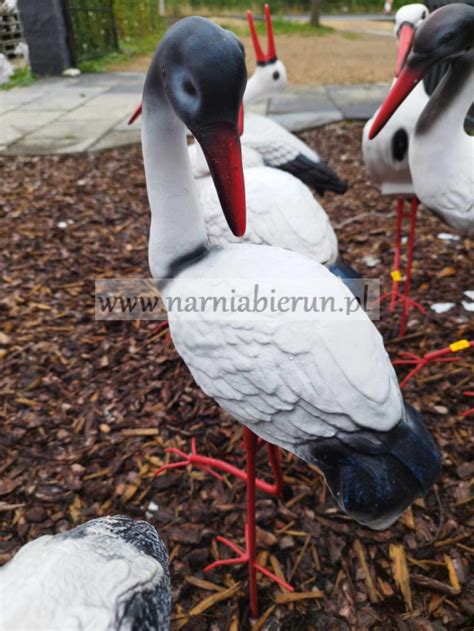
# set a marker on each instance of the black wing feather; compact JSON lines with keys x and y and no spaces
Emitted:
{"x":317,"y":175}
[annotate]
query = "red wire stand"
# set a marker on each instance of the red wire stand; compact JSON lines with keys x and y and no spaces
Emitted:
{"x":396,"y":296}
{"x":444,"y":355}
{"x":248,"y":556}
{"x":470,"y":411}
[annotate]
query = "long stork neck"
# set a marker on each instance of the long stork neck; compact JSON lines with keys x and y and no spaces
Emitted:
{"x":447,"y":108}
{"x":177,"y":230}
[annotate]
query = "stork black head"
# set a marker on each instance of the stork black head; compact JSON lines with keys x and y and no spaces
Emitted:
{"x":199,"y":68}
{"x":446,"y":34}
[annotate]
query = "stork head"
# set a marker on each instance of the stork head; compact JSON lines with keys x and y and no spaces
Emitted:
{"x":199,"y":68}
{"x":270,"y":75}
{"x":446,"y":34}
{"x":407,"y":20}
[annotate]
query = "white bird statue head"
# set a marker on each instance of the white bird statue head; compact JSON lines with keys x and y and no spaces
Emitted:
{"x":109,"y":573}
{"x":407,"y":19}
{"x":447,"y":34}
{"x":270,"y":75}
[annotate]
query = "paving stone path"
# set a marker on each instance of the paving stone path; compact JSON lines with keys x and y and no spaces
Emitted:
{"x":90,"y":112}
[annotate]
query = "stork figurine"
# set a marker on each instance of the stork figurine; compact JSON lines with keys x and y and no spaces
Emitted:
{"x":322,"y":388}
{"x":386,"y":160}
{"x":109,"y":573}
{"x":441,"y":151}
{"x":278,"y":147}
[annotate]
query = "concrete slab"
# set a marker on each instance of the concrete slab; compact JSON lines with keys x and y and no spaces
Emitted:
{"x":9,"y":135}
{"x":56,"y":100}
{"x":124,"y":126}
{"x":23,"y":120}
{"x":358,"y":102}
{"x":12,"y":99}
{"x":117,"y":138}
{"x":313,"y":99}
{"x":90,"y":112}
{"x":299,"y":121}
{"x":63,"y":136}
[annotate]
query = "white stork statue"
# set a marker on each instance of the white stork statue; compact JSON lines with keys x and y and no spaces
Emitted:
{"x":386,"y":158}
{"x":441,"y":152}
{"x":109,"y":573}
{"x":322,"y":388}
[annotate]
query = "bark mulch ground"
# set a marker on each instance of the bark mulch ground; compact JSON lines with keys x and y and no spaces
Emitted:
{"x":89,"y":407}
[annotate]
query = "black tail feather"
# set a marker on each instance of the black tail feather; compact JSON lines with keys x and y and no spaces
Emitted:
{"x":375,"y":476}
{"x":317,"y":175}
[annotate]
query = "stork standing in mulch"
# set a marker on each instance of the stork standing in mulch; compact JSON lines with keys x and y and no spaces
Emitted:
{"x":109,"y":573}
{"x":441,"y":151}
{"x":323,"y":388}
{"x":281,"y":210}
{"x":386,"y":159}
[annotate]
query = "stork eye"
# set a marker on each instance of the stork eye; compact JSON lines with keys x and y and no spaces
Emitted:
{"x":276,"y":75}
{"x":423,"y":15}
{"x":448,"y":37}
{"x":189,"y":88}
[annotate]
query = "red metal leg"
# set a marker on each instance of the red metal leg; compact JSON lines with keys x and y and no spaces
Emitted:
{"x":440,"y":356}
{"x":407,"y":303}
{"x":164,"y":326}
{"x":275,"y":462}
{"x":249,"y":555}
{"x":250,"y":442}
{"x":209,"y":464}
{"x":396,"y":275}
{"x":470,"y":411}
{"x":394,"y":294}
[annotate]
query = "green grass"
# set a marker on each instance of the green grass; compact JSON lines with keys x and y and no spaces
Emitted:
{"x":21,"y":77}
{"x":180,"y":8}
{"x":146,"y":44}
{"x":129,"y":47}
{"x":282,"y":27}
{"x":349,"y":35}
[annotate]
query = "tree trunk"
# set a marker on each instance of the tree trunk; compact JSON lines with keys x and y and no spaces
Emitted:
{"x":315,"y":12}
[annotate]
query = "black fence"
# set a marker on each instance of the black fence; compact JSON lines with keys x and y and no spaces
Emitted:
{"x":91,"y":28}
{"x":96,"y":27}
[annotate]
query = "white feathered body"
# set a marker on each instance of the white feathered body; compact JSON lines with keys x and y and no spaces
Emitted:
{"x":250,"y":159}
{"x":289,"y":381}
{"x":84,"y":580}
{"x":274,"y":143}
{"x":281,"y":211}
{"x":393,"y":175}
{"x":442,"y":152}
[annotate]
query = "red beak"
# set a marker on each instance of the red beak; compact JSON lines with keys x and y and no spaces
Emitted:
{"x":136,"y":114}
{"x":221,"y":145}
{"x":406,"y":82}
{"x":406,"y":35}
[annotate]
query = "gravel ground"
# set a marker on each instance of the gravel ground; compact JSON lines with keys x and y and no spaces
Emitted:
{"x":89,"y":407}
{"x":338,"y":58}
